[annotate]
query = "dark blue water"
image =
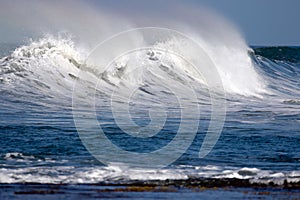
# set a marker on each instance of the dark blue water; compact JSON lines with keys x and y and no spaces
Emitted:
{"x":40,"y":142}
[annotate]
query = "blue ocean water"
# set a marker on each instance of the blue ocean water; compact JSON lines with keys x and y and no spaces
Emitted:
{"x":94,"y":107}
{"x":41,"y":144}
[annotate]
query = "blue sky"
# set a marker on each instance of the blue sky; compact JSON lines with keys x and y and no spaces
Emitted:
{"x":268,"y":22}
{"x":262,"y":22}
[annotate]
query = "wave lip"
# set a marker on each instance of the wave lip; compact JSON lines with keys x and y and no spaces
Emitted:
{"x":60,"y":59}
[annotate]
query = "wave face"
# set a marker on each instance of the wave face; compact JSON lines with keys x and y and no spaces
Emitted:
{"x":55,"y":60}
{"x":260,"y":138}
{"x":281,"y":66}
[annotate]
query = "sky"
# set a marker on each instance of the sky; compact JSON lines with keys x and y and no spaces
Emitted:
{"x":261,"y":22}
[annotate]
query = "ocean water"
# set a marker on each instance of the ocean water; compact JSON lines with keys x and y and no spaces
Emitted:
{"x":165,"y":115}
{"x":40,"y":143}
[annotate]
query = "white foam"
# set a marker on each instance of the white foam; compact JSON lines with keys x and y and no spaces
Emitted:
{"x":52,"y":60}
{"x":97,"y":174}
{"x":48,"y":65}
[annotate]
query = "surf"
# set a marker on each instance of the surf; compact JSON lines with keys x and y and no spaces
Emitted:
{"x":226,"y":48}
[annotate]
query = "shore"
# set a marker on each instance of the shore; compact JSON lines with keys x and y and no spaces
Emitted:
{"x":169,"y":189}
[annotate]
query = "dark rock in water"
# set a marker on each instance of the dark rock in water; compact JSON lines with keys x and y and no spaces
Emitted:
{"x":246,"y":173}
{"x":205,"y":183}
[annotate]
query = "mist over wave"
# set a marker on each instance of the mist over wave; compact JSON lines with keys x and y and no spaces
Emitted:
{"x":63,"y":55}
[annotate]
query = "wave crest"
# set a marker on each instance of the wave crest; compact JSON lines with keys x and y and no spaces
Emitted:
{"x":54,"y":62}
